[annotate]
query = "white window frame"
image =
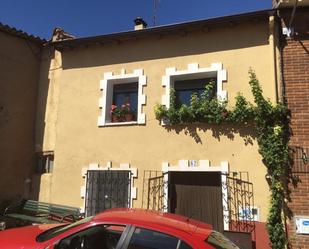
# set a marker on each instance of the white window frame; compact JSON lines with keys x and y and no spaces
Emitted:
{"x":194,"y":72}
{"x":107,"y":85}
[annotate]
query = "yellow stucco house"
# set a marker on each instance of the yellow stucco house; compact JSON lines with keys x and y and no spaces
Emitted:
{"x":208,"y":172}
{"x":101,"y":163}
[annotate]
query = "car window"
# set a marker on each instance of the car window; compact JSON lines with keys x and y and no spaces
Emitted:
{"x":53,"y":232}
{"x":149,"y":239}
{"x":219,"y":241}
{"x":96,"y":237}
{"x":184,"y":245}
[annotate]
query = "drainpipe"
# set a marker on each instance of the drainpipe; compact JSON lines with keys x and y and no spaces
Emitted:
{"x":293,"y":13}
{"x":272,"y":44}
{"x":289,"y":32}
{"x":283,"y":91}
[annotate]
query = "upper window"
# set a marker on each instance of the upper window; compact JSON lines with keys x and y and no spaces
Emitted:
{"x":193,"y":80}
{"x":149,"y":239}
{"x":125,"y":100}
{"x":122,"y":98}
{"x":184,"y":89}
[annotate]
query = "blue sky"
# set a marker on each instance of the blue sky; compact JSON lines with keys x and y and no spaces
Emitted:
{"x":94,"y":17}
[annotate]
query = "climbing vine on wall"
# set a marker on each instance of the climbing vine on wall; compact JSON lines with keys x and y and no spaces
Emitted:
{"x":272,"y":127}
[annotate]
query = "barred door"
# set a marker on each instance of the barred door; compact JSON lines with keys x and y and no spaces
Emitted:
{"x":240,"y":202}
{"x":107,"y":189}
{"x":156,"y":199}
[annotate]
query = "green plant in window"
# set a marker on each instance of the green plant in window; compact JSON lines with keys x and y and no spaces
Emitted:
{"x":205,"y":108}
{"x":116,"y":111}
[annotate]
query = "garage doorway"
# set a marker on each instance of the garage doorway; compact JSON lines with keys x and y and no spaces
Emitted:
{"x":197,"y":195}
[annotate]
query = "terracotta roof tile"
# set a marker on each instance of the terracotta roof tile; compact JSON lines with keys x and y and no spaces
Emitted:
{"x":20,"y":33}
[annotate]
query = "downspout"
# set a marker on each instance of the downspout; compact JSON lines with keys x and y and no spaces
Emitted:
{"x":272,"y":44}
{"x":283,"y":91}
{"x":281,"y":38}
{"x":284,"y":100}
{"x":293,"y":13}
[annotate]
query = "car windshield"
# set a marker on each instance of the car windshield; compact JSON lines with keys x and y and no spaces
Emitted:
{"x":53,"y":232}
{"x":218,"y":240}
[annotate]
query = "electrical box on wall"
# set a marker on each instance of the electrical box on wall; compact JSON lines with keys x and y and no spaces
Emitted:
{"x":302,"y":224}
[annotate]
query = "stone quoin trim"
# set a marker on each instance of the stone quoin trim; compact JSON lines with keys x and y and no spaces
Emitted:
{"x":106,"y":86}
{"x":193,"y":71}
{"x":199,"y":166}
{"x":95,"y":166}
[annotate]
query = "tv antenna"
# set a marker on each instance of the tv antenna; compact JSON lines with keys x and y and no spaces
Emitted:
{"x":155,"y":8}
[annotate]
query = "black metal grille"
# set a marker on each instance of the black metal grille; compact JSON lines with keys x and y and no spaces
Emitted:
{"x":239,"y":202}
{"x":107,"y":189}
{"x":154,"y":197}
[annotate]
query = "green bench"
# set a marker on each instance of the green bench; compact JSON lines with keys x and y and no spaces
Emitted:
{"x":42,"y":212}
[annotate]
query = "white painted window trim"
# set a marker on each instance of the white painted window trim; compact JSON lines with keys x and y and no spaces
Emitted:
{"x":96,"y":166}
{"x":193,"y":71}
{"x":105,"y":102}
{"x":201,"y":166}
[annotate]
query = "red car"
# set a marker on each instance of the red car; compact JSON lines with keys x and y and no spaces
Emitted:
{"x":119,"y":229}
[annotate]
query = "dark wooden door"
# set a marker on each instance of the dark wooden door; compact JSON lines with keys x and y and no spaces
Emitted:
{"x":107,"y":189}
{"x":197,"y":195}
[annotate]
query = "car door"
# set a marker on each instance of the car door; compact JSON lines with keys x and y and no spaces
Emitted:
{"x":100,"y":236}
{"x":144,"y":238}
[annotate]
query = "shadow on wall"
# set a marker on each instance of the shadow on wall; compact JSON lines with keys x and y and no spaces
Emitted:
{"x":19,"y":71}
{"x":44,"y":88}
{"x":41,"y":112}
{"x":168,"y":46}
{"x":246,"y":131}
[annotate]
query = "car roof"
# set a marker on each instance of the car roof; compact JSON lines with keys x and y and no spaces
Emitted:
{"x":143,"y":216}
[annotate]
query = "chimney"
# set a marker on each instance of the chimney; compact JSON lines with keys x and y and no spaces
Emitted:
{"x":139,"y":23}
{"x":59,"y":35}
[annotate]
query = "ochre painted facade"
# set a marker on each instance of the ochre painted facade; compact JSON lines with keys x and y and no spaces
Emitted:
{"x":72,"y":88}
{"x":19,"y":71}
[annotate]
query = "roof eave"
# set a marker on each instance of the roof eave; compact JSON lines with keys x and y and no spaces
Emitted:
{"x":178,"y":27}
